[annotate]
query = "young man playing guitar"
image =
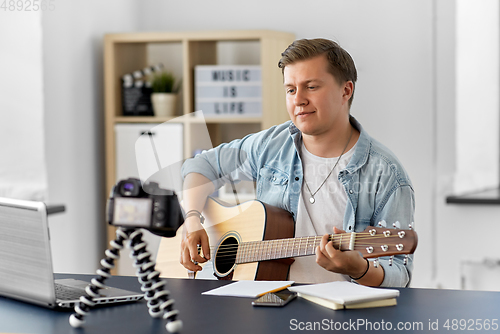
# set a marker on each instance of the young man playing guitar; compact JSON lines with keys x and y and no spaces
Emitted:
{"x":321,"y":166}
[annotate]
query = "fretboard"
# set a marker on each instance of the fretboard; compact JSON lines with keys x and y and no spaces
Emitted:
{"x":256,"y":251}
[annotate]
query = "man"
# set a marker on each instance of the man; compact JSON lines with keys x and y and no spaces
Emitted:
{"x":321,"y":166}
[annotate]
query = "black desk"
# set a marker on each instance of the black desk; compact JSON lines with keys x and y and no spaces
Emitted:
{"x":211,"y":314}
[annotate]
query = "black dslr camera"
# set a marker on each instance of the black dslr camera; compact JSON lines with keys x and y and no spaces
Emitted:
{"x":147,"y":206}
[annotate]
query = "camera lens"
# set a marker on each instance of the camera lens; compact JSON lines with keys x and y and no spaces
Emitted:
{"x":128,"y":188}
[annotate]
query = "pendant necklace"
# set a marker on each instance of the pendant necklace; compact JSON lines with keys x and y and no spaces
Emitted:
{"x":311,"y":199}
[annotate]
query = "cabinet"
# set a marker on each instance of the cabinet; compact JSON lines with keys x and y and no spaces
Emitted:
{"x":180,"y":52}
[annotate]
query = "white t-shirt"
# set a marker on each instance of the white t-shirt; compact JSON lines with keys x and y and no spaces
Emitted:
{"x":319,"y":218}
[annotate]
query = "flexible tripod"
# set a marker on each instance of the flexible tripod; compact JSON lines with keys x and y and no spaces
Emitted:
{"x":158,"y":300}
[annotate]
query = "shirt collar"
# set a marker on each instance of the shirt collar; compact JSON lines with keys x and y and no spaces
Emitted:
{"x":361,"y":151}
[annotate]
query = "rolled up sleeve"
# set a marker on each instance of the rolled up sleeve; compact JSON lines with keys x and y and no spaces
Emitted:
{"x":230,"y":162}
{"x":398,"y":207}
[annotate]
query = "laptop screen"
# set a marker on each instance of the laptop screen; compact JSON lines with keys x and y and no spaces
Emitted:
{"x":25,"y":258}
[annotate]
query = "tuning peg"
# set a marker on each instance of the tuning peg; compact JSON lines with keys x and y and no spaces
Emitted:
{"x":410,"y":226}
{"x":397,"y":225}
{"x":390,"y":260}
{"x":382,"y":223}
{"x":375,"y":263}
{"x":406,"y":260}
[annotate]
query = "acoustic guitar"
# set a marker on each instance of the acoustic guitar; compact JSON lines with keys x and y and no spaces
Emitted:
{"x":254,"y":241}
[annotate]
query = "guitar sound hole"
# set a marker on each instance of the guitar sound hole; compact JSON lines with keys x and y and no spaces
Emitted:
{"x":225,"y":257}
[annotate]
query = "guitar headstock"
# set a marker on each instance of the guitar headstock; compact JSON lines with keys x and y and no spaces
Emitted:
{"x":375,"y":242}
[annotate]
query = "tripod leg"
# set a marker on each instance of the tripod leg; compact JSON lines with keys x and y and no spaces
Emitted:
{"x":152,"y":285}
{"x":77,"y":319}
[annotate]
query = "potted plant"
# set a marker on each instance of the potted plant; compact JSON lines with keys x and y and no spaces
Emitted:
{"x":164,"y":96}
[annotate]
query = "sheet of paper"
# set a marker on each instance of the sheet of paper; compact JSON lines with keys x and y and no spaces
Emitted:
{"x":251,"y":289}
{"x":345,"y":292}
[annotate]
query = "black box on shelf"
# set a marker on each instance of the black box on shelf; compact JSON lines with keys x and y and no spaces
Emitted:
{"x":137,"y":90}
{"x":136,"y":101}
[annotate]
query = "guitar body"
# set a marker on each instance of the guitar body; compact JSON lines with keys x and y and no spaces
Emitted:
{"x":227,"y":226}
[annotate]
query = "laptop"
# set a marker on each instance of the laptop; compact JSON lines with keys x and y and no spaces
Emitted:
{"x":26,"y":261}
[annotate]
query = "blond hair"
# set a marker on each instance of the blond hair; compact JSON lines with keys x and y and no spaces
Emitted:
{"x":341,"y":64}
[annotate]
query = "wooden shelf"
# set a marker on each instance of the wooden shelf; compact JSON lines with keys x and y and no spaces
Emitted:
{"x":144,"y":119}
{"x":127,"y":52}
{"x":228,"y":120}
{"x":154,"y":119}
{"x":180,"y":52}
{"x":220,"y":35}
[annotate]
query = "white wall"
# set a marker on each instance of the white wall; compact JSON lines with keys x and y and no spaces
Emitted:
{"x":477,"y":92}
{"x":73,"y":57}
{"x":22,"y":162}
{"x":462,"y":232}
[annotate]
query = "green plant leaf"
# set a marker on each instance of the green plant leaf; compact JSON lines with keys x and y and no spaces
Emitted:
{"x":164,"y":82}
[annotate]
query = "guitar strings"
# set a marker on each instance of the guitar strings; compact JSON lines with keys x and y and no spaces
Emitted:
{"x":225,"y":259}
{"x":292,"y":244}
{"x":246,"y":248}
{"x":262,"y":257}
{"x":287,"y":253}
{"x":301,"y":240}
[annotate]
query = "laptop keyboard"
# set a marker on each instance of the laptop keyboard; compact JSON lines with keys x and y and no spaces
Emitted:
{"x":64,"y":292}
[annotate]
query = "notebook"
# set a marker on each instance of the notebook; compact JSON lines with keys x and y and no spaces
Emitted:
{"x":26,"y":262}
{"x":345,"y":293}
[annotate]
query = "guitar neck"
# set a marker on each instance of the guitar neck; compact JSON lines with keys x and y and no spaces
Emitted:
{"x":372,"y":242}
{"x":257,"y":251}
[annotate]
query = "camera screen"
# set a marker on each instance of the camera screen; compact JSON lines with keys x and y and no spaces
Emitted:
{"x":133,"y":212}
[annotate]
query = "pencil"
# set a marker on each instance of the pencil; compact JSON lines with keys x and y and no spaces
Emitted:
{"x":275,"y":290}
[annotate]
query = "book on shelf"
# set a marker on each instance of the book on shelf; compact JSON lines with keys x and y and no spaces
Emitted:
{"x":346,"y":295}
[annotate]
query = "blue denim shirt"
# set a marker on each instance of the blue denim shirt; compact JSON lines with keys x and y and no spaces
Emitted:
{"x":377,"y":186}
